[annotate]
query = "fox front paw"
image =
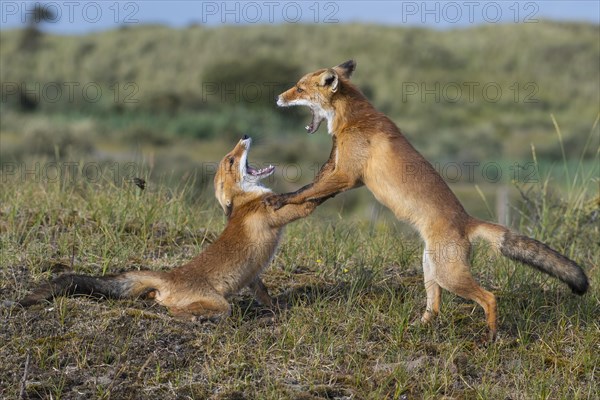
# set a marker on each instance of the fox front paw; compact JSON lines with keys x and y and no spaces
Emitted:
{"x":275,"y":201}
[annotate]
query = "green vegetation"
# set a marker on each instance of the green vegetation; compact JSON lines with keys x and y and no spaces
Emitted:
{"x":353,"y":289}
{"x":441,"y":87}
{"x":174,"y":101}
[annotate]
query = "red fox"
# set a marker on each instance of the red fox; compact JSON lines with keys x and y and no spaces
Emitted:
{"x":233,"y":261}
{"x":369,"y":149}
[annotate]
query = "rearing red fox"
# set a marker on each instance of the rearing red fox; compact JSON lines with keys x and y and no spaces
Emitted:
{"x":369,"y":149}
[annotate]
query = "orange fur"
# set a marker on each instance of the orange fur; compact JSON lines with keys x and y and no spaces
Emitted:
{"x":369,"y":149}
{"x":235,"y":260}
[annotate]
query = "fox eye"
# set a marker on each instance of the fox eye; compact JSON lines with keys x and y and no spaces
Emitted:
{"x":299,"y":90}
{"x":231,"y":160}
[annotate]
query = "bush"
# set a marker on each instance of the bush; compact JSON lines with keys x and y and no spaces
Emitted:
{"x":252,"y":82}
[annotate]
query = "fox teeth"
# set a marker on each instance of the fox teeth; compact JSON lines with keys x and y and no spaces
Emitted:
{"x":307,"y":127}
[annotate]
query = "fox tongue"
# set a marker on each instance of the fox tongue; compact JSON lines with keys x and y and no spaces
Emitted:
{"x":259,"y":172}
{"x":314,"y":124}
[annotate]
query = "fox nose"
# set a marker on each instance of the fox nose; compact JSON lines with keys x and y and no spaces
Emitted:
{"x":279,"y":100}
{"x":245,"y":137}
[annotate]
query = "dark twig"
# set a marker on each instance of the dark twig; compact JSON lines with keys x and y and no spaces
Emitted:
{"x":22,"y":394}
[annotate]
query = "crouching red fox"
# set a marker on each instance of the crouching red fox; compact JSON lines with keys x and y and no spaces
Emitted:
{"x":235,"y":260}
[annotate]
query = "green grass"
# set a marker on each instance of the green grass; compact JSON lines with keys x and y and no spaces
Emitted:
{"x":353,"y":279}
{"x":353,"y":288}
{"x":171,"y":69}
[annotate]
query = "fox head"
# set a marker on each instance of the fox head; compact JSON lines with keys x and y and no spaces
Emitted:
{"x":316,"y":91}
{"x":236,"y":181}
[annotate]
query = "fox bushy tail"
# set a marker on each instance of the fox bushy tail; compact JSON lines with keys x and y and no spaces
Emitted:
{"x":128,"y":285}
{"x":533,"y":253}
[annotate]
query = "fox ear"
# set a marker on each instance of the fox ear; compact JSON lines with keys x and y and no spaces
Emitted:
{"x":329,"y":78}
{"x":346,"y":69}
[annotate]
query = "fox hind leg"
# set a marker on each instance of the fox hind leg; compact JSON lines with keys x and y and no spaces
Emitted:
{"x":452,"y":272}
{"x":432,"y":288}
{"x":204,"y":308}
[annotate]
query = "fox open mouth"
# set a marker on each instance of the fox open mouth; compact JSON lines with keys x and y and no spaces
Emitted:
{"x":251,"y":173}
{"x":315,"y":122}
{"x":259,"y":173}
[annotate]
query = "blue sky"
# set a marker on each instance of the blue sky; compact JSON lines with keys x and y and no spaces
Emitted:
{"x":77,"y":17}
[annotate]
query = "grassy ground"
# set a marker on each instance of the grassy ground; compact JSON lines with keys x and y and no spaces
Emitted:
{"x":354,"y":289}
